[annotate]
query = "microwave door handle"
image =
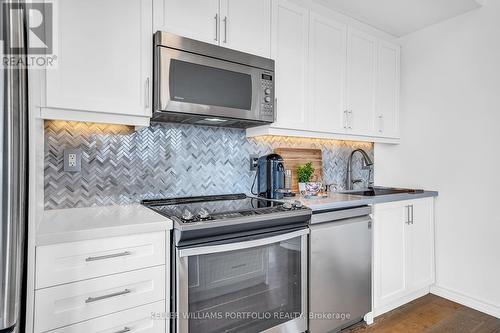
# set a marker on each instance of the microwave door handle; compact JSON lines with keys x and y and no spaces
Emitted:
{"x":196,"y":251}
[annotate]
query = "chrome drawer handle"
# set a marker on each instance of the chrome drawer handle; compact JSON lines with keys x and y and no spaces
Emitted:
{"x":124,"y":330}
{"x":109,"y":256}
{"x":100,"y":298}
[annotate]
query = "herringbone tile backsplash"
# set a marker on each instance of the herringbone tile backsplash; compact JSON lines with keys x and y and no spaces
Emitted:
{"x":121,"y":166}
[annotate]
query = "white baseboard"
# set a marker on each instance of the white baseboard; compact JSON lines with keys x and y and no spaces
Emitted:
{"x":471,"y":302}
{"x":400,"y":301}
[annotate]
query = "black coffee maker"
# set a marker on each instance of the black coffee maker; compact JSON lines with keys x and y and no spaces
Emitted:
{"x":271,"y":177}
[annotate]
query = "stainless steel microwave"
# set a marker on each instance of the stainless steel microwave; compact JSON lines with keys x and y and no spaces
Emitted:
{"x":206,"y":84}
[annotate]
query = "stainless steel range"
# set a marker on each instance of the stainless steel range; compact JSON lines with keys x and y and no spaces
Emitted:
{"x":240,"y":263}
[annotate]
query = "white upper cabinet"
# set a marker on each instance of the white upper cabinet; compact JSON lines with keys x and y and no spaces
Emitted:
{"x":246,"y":26}
{"x":361,"y":62}
{"x":327,"y":59}
{"x":237,"y":24}
{"x":332,"y":81}
{"x":290,"y":49}
{"x":104,"y":62}
{"x":196,"y":19}
{"x":387,"y":108}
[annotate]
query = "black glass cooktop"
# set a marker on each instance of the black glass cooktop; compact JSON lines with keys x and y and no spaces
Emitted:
{"x":210,"y":208}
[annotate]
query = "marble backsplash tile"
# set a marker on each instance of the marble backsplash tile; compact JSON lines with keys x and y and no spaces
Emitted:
{"x":120,"y":165}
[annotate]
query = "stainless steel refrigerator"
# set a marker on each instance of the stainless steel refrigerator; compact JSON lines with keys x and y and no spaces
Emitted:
{"x":13,"y":170}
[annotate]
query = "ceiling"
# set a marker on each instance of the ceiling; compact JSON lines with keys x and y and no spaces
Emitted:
{"x":400,"y":17}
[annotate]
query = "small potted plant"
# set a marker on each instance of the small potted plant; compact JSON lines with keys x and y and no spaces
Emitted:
{"x":304,"y":175}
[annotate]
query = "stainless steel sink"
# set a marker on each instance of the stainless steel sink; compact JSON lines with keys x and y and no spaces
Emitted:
{"x":376,"y":191}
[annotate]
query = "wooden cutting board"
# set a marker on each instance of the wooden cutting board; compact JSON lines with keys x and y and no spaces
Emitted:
{"x":293,"y":157}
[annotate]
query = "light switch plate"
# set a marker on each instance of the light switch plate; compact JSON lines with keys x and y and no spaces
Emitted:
{"x":72,"y":160}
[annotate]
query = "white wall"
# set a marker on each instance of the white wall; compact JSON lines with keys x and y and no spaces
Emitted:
{"x":451,"y":143}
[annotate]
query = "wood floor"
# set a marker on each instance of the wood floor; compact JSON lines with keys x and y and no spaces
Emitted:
{"x":431,"y":314}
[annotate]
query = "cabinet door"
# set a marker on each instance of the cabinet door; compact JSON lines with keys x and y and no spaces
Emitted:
{"x":246,"y":26}
{"x":421,"y":244}
{"x":387,"y":98}
{"x":327,"y":53}
{"x":390,"y":255}
{"x":361,"y":60}
{"x":290,"y":49}
{"x":197,"y":19}
{"x":105,"y":57}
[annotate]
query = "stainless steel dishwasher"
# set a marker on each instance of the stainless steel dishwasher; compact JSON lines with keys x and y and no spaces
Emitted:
{"x":340,"y":255}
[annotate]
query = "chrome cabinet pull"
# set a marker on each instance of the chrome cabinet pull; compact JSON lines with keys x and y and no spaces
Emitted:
{"x":147,"y":93}
{"x":381,"y":123}
{"x":225,"y":29}
{"x":216,"y":27}
{"x":124,"y":330}
{"x":100,"y":298}
{"x":350,"y":119}
{"x":108,"y":256}
{"x":409,"y":214}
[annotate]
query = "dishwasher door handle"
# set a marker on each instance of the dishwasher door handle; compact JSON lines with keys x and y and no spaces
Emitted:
{"x":337,"y":215}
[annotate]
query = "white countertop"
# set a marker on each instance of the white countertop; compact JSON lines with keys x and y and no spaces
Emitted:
{"x":341,"y":200}
{"x":333,"y":201}
{"x":75,"y":224}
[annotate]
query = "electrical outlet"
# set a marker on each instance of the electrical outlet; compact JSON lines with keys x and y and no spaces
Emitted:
{"x":72,"y":160}
{"x":254,"y":162}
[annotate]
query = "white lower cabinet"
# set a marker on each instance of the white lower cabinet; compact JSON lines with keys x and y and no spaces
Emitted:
{"x":403,"y":262}
{"x":71,"y":303}
{"x":106,"y":285}
{"x":70,"y":262}
{"x":144,"y":319}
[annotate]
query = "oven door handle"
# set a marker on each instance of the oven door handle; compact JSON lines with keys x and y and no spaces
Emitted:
{"x":196,"y":251}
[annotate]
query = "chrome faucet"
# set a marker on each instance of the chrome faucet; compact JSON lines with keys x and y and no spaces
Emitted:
{"x":367,"y":163}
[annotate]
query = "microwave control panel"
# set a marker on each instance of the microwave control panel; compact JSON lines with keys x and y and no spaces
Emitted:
{"x":268,"y":94}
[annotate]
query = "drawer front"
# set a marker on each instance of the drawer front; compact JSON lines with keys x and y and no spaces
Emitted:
{"x":142,"y":319}
{"x":69,"y":262}
{"x":71,"y":303}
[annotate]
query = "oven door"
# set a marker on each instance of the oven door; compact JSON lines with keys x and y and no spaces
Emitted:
{"x":189,"y":83}
{"x":257,"y":285}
